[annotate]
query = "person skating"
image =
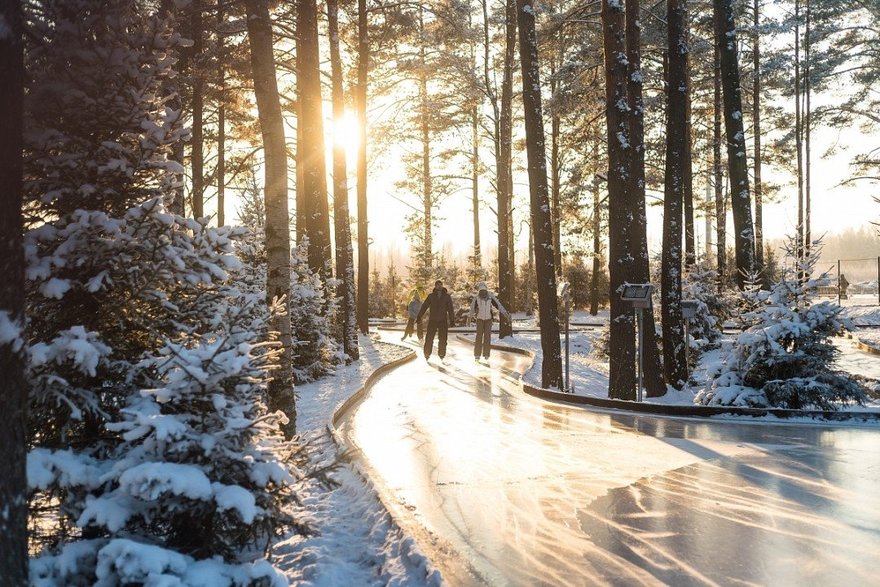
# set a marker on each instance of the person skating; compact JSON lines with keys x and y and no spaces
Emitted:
{"x":481,"y":313}
{"x":413,"y":308}
{"x":439,"y":304}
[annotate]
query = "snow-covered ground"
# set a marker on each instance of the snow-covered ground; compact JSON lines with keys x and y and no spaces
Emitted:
{"x":589,"y":373}
{"x":355,"y":542}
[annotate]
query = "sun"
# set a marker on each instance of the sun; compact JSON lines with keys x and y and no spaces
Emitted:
{"x":347,"y":132}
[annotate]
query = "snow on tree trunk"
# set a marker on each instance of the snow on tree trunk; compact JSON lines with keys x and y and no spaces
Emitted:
{"x":622,"y":376}
{"x":542,"y":222}
{"x":13,"y":390}
{"x":740,"y":200}
{"x":311,"y":150}
{"x":197,"y":156}
{"x":345,"y":286}
{"x":718,"y":174}
{"x":678,"y":156}
{"x":259,"y":25}
{"x":506,"y":268}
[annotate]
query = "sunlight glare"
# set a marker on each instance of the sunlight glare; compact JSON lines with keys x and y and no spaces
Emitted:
{"x":346,"y":132}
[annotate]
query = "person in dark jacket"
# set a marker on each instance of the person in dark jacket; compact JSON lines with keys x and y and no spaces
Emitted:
{"x":413,"y":309}
{"x":439,"y":304}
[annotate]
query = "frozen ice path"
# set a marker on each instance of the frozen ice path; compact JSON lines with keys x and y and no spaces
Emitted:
{"x":503,"y":489}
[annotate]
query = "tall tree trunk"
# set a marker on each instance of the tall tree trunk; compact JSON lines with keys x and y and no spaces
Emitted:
{"x":678,"y":156}
{"x":13,"y":388}
{"x":475,"y":184}
{"x":542,"y":222}
{"x":621,"y":210}
{"x":798,"y":130}
{"x":175,"y":198}
{"x":806,"y":122}
{"x":690,"y":246}
{"x":197,"y":146}
{"x":344,"y":252}
{"x":756,"y":128}
{"x":740,"y":201}
{"x":720,"y":204}
{"x":221,"y":119}
{"x":425,"y":136}
{"x":363,"y":66}
{"x":314,"y":167}
{"x":259,"y":27}
{"x":653,"y":375}
{"x":506,"y":267}
{"x":555,"y":163}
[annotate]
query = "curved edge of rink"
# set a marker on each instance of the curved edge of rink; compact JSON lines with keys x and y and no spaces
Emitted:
{"x":689,"y":411}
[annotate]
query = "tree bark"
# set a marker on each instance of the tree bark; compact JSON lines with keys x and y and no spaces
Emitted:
{"x":314,"y":169}
{"x":798,"y":132}
{"x":425,"y":136}
{"x":363,"y":289}
{"x":259,"y":26}
{"x":221,"y":119}
{"x":740,"y":200}
{"x":621,"y":211}
{"x":197,"y":146}
{"x":542,"y":222}
{"x":756,"y":125}
{"x":720,"y":204}
{"x":475,"y":184}
{"x":653,"y":375}
{"x":13,"y":388}
{"x":597,"y":247}
{"x":678,"y":156}
{"x":506,"y":268}
{"x":344,"y":253}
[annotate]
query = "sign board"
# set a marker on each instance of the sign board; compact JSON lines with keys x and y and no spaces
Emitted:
{"x":637,"y":294}
{"x":688,"y":308}
{"x":563,"y":290}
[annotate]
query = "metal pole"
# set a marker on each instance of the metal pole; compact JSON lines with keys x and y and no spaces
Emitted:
{"x":838,"y":282}
{"x":567,"y":320}
{"x":687,"y":351}
{"x":641,"y":365}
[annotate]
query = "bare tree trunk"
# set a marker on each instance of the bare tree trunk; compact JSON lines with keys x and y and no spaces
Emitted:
{"x":542,"y":222}
{"x":425,"y":130}
{"x":756,"y":124}
{"x":806,"y":122}
{"x":363,"y":66}
{"x":690,"y":247}
{"x":621,"y":210}
{"x":174,"y":201}
{"x":720,"y":204}
{"x":678,"y":156}
{"x":475,"y":184}
{"x":798,"y":129}
{"x":13,"y":388}
{"x":740,"y":201}
{"x":221,"y":120}
{"x":197,"y":149}
{"x":344,"y":252}
{"x":653,"y":376}
{"x":314,"y":169}
{"x":506,"y":267}
{"x":259,"y":28}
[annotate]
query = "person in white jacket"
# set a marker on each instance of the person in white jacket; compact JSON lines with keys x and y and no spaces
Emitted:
{"x":481,"y":313}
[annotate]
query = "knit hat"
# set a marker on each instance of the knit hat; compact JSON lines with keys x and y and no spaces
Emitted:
{"x":481,"y":286}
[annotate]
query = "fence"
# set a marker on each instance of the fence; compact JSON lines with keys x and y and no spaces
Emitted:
{"x":856,"y":283}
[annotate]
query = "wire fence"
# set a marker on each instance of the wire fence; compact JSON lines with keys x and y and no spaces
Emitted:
{"x":854,"y":282}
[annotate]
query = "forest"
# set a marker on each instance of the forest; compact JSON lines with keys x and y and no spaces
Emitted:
{"x":185,"y":211}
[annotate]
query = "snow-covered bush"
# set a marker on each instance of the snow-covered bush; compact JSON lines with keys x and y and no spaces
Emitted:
{"x":701,"y":285}
{"x":784,"y":358}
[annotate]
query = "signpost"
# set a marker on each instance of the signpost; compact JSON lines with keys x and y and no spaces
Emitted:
{"x":638,"y":297}
{"x":563,"y":292}
{"x":688,"y":311}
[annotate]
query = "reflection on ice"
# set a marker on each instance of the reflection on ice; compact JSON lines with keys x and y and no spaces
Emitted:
{"x":512,"y":490}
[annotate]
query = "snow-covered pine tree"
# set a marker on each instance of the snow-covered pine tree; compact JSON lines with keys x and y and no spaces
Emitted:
{"x":315,"y":350}
{"x":784,"y":359}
